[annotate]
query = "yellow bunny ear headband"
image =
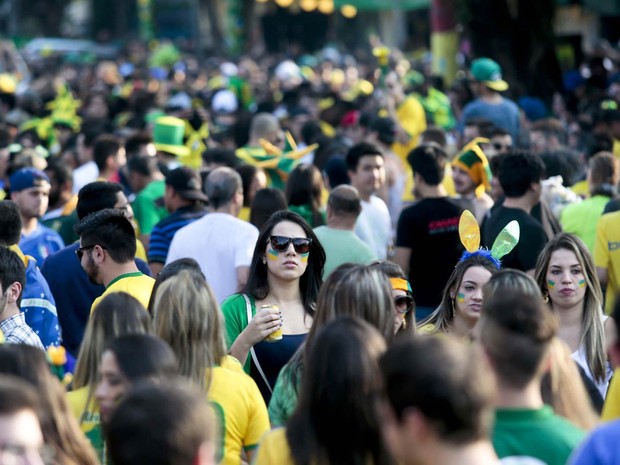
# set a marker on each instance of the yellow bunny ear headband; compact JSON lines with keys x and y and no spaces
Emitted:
{"x":469,"y":232}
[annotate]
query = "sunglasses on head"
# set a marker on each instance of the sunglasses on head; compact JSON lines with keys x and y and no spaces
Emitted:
{"x":281,"y":243}
{"x":80,"y":252}
{"x":403,"y":304}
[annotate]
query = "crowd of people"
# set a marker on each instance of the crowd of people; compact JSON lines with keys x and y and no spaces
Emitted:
{"x":307,"y":261}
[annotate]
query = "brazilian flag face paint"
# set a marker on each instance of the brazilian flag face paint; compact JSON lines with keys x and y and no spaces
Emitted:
{"x":550,"y":284}
{"x":582,"y":283}
{"x":460,"y":297}
{"x":272,"y":254}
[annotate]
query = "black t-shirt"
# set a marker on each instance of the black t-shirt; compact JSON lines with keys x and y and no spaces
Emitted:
{"x":430,"y":228}
{"x":531,"y":242}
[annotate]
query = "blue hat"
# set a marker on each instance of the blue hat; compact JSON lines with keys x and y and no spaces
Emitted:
{"x":27,"y":178}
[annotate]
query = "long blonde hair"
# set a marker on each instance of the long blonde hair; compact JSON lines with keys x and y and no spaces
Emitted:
{"x":187,"y":316}
{"x":563,"y":388}
{"x":116,"y":315}
{"x":592,"y":331}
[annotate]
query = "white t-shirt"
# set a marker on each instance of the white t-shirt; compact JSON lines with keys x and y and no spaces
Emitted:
{"x":374,"y":226}
{"x":84,"y":174}
{"x":220,"y":243}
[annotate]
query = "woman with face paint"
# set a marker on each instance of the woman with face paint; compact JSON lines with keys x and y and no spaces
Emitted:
{"x":567,"y":278}
{"x":268,"y":322}
{"x":461,"y":303}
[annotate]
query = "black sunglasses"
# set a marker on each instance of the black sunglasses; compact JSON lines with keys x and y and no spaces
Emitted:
{"x":281,"y":243}
{"x":403,"y":304}
{"x":498,"y":146}
{"x":80,"y":252}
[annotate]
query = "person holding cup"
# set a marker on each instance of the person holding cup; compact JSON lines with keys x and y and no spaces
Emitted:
{"x":280,"y":294}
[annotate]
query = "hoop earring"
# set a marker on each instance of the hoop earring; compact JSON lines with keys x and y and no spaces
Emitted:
{"x":546,"y":297}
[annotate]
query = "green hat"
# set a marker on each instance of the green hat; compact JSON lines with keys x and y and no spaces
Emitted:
{"x":488,"y":72}
{"x":168,"y":134}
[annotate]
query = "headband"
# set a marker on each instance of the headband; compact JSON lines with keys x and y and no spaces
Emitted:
{"x":469,"y":232}
{"x":400,"y":284}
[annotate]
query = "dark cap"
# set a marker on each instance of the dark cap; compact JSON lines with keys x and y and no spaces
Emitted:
{"x":27,"y":178}
{"x":187,"y":183}
{"x":385,"y":128}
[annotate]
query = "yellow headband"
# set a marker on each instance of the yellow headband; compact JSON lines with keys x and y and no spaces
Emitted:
{"x":400,"y":284}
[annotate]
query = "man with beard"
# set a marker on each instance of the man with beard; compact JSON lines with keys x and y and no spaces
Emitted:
{"x":107,"y":253}
{"x":71,"y":288}
{"x":12,"y":281}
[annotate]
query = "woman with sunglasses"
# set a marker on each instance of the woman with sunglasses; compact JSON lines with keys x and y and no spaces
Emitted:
{"x":404,"y":306}
{"x":271,"y":318}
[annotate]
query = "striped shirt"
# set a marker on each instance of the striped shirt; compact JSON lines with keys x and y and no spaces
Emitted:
{"x":163,"y":232}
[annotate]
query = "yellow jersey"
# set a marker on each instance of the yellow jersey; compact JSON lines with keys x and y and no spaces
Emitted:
{"x":274,"y":449}
{"x":412,"y":118}
{"x":88,"y":418}
{"x":135,"y":284}
{"x":611,"y":408}
{"x":607,"y":254}
{"x":240,"y":410}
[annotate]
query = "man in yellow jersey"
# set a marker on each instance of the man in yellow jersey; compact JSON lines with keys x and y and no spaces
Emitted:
{"x":107,"y":251}
{"x":408,"y":114}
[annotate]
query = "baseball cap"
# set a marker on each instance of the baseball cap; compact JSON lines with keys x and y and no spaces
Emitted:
{"x":27,"y":178}
{"x":187,"y":183}
{"x":488,"y":72}
{"x":385,"y":128}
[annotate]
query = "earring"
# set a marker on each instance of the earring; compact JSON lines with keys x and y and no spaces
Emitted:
{"x":546,"y":297}
{"x":404,"y":324}
{"x":264,"y":261}
{"x":453,"y":309}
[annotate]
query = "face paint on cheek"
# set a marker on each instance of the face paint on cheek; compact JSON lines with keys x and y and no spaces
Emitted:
{"x":582,"y":283}
{"x":460,"y":297}
{"x":304,"y":257}
{"x":550,"y":283}
{"x":272,"y":254}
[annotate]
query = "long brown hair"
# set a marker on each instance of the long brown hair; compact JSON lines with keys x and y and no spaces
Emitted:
{"x":59,"y":427}
{"x":336,"y":420}
{"x":443,"y":316}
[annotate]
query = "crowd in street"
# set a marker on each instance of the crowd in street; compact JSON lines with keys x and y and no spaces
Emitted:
{"x":320,"y":259}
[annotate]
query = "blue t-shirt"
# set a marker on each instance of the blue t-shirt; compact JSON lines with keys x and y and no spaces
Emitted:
{"x":39,"y":307}
{"x":41,"y":243}
{"x":504,"y":115}
{"x":163,"y":232}
{"x":600,"y":448}
{"x":74,"y":293}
